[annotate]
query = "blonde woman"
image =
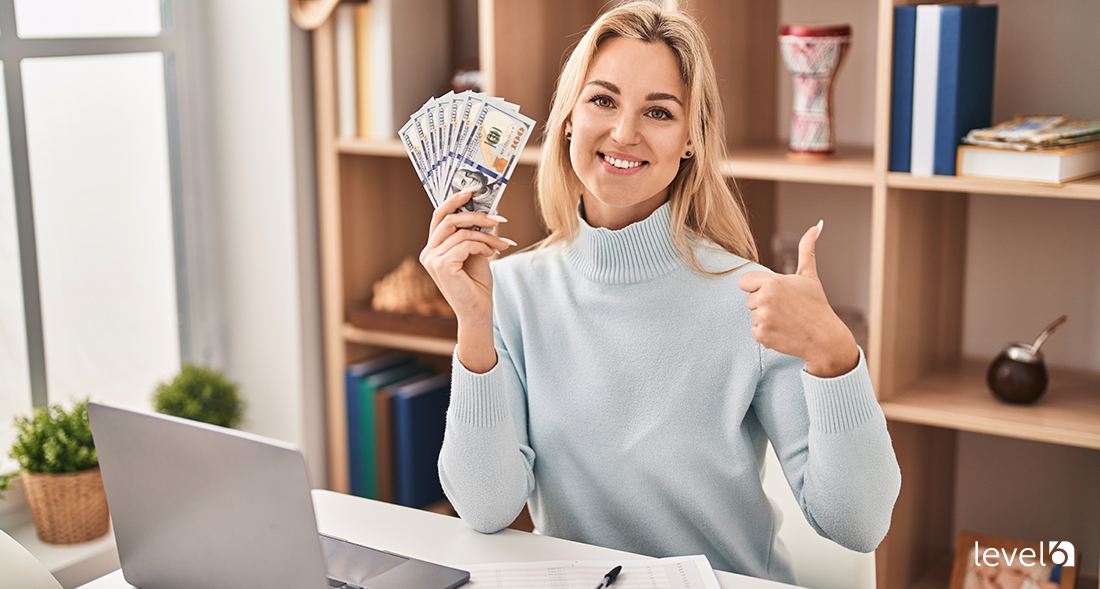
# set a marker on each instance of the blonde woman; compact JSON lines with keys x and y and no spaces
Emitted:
{"x":624,"y":378}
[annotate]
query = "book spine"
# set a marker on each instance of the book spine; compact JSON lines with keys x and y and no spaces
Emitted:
{"x":901,"y":99}
{"x":367,"y":449}
{"x":345,"y":70}
{"x":925,"y":78}
{"x":381,"y":70}
{"x":355,"y":471}
{"x":419,"y":422}
{"x":964,"y":93}
{"x":363,"y":64}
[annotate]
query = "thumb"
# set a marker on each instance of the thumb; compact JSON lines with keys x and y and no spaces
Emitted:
{"x":807,"y":259}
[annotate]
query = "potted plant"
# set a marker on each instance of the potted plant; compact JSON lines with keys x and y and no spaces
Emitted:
{"x":202,"y":394}
{"x":60,"y":472}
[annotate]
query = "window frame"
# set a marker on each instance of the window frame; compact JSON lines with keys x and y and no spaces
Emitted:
{"x":195,"y":239}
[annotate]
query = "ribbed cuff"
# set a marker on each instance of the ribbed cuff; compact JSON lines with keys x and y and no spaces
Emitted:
{"x":477,"y":400}
{"x":843,"y":402}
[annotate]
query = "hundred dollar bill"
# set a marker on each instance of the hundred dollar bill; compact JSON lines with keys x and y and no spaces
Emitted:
{"x":489,"y":155}
{"x":417,"y":156}
{"x":465,"y":140}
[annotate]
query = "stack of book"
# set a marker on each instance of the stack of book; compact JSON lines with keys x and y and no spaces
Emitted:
{"x":396,"y":413}
{"x":1048,"y":149}
{"x":382,"y":75}
{"x":942,"y":83}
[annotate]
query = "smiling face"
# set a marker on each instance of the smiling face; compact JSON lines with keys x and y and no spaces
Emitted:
{"x":629,"y":131}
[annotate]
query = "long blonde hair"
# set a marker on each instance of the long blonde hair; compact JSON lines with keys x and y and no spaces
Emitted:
{"x":703,"y":204}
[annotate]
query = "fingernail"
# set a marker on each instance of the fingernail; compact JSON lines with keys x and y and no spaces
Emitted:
{"x":820,"y":226}
{"x":498,"y":218}
{"x":508,"y":241}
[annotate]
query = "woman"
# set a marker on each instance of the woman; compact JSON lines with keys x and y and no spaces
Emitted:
{"x":624,"y":378}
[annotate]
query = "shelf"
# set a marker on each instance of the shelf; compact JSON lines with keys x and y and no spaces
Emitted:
{"x":399,"y":341}
{"x":1087,"y":189}
{"x":957,"y":398}
{"x":852,"y":166}
{"x":394,"y":148}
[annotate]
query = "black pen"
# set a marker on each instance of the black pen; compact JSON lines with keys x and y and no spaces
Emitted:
{"x":609,"y":578}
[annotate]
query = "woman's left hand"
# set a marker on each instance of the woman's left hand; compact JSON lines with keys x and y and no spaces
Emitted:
{"x":791,"y":315}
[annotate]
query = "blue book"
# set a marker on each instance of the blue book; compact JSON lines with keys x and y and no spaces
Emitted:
{"x":419,"y":418}
{"x":964,"y":87}
{"x":901,"y":98}
{"x":353,"y":375}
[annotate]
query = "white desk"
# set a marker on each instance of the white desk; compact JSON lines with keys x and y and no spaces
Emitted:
{"x":446,"y":540}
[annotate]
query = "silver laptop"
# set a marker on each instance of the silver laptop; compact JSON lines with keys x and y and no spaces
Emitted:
{"x":200,"y":506}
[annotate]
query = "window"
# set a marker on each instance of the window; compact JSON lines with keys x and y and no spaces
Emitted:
{"x":99,"y":183}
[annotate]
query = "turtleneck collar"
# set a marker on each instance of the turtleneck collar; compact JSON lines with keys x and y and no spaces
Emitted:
{"x":636,"y":253}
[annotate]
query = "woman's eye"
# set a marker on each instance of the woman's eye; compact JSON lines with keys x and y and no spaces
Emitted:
{"x":601,"y":101}
{"x":660,"y":114}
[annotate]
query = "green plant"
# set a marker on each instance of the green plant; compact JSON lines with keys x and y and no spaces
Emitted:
{"x":202,"y":394}
{"x":53,"y":441}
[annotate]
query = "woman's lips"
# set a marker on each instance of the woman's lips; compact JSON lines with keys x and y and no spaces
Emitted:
{"x":632,"y":166}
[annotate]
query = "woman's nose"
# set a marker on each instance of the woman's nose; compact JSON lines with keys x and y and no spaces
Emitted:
{"x":625,"y":131}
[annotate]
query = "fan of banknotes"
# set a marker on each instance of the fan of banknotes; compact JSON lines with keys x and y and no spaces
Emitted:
{"x":466,"y":141}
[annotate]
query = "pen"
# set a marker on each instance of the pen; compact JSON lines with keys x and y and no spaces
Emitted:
{"x":609,"y":578}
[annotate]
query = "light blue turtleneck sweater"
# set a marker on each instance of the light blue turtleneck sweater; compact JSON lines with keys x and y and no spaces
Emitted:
{"x":631,"y":408}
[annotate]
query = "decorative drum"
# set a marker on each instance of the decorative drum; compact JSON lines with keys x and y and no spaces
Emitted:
{"x":813,"y":55}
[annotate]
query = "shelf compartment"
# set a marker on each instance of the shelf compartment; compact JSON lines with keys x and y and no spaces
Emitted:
{"x":852,"y":167}
{"x":957,"y":398}
{"x":399,"y":341}
{"x":1085,"y":189}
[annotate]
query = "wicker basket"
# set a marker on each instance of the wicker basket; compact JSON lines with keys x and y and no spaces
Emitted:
{"x":67,"y":508}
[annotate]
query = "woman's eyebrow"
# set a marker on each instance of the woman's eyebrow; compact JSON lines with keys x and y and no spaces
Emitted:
{"x":663,"y":96}
{"x":649,"y":97}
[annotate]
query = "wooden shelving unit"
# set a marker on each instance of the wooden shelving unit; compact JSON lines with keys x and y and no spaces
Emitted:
{"x":373,"y":213}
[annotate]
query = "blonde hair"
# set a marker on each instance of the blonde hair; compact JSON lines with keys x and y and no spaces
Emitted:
{"x":704,"y":207}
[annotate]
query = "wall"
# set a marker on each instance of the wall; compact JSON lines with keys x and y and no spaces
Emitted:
{"x":264,"y":191}
{"x":1028,"y":260}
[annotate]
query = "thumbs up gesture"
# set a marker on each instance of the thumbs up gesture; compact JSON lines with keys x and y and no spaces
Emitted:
{"x":791,"y":315}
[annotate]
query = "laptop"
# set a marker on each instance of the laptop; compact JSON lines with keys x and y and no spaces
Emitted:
{"x":201,"y":506}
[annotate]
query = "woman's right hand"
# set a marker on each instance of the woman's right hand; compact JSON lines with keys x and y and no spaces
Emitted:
{"x":457,"y":258}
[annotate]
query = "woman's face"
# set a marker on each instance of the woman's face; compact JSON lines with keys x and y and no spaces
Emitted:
{"x":629,"y":130}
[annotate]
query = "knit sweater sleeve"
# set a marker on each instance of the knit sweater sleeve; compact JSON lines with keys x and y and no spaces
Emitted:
{"x":830,"y":437}
{"x":486,"y":465}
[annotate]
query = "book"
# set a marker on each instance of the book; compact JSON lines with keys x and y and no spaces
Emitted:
{"x":964,"y":89}
{"x":394,"y":96}
{"x":1025,"y":132}
{"x":368,"y":452}
{"x":363,"y":114}
{"x":384,"y":437}
{"x":419,"y":418}
{"x":353,"y":376}
{"x":926,"y":58}
{"x":901,"y":98}
{"x":954,"y":55}
{"x":1054,"y":166}
{"x":346,"y":103}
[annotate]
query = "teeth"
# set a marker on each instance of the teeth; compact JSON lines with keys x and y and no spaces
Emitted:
{"x":621,"y":164}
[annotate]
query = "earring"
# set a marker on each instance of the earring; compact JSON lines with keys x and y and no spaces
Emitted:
{"x":568,"y":135}
{"x":688,"y":155}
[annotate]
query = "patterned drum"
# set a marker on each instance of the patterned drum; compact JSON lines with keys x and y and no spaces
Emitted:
{"x":813,"y":55}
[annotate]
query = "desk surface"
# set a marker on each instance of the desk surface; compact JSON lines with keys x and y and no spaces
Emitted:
{"x":446,"y":540}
